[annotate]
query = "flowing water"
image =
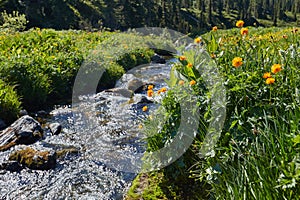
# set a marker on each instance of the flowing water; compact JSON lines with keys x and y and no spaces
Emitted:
{"x":108,"y":145}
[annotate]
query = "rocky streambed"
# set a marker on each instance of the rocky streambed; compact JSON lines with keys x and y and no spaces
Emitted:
{"x":69,"y":157}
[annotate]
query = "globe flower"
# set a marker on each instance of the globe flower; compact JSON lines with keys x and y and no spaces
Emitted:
{"x":295,"y":30}
{"x":189,"y":65}
{"x":197,"y":40}
{"x":182,"y":58}
{"x":181,"y":82}
{"x":150,"y":93}
{"x":267,"y":75}
{"x":215,"y":28}
{"x":163,"y":89}
{"x":150,"y":87}
{"x":285,"y":36}
{"x":244,"y":31}
{"x":237,"y":62}
{"x":276,"y":68}
{"x":145,"y":108}
{"x":240,"y":23}
{"x":270,"y":81}
{"x":213,"y":56}
{"x":192,"y":82}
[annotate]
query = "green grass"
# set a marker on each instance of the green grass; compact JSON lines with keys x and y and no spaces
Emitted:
{"x":42,"y":63}
{"x":9,"y":102}
{"x":257,"y":155}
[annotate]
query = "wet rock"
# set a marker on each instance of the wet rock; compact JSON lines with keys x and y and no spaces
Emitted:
{"x":42,"y":113}
{"x":136,"y":85}
{"x":67,"y":151}
{"x":2,"y":124}
{"x":25,"y":130}
{"x":121,"y":91}
{"x":55,"y":128}
{"x":158,"y":59}
{"x":23,"y":113}
{"x":143,"y":100}
{"x":33,"y":159}
{"x":12,"y":166}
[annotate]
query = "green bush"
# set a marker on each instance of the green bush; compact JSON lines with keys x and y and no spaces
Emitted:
{"x":9,"y":102}
{"x":43,"y":63}
{"x":12,"y":22}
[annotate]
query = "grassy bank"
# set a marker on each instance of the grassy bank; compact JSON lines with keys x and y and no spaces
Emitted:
{"x":41,"y":64}
{"x":257,"y":154}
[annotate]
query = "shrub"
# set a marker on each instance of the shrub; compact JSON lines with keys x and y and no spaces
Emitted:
{"x":13,"y":22}
{"x":9,"y":102}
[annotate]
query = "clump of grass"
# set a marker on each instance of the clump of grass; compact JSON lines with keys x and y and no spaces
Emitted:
{"x":257,"y":155}
{"x":9,"y":102}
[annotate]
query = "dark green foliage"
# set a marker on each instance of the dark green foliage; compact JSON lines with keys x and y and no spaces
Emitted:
{"x":9,"y":102}
{"x":181,"y":15}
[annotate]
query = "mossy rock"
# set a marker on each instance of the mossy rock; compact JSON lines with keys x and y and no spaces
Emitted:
{"x":33,"y":159}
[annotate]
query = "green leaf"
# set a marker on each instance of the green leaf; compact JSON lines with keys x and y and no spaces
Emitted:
{"x":233,"y":124}
{"x":213,"y":45}
{"x":296,"y":140}
{"x":173,"y":79}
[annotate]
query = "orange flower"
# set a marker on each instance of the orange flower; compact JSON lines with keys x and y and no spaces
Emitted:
{"x":213,"y":55}
{"x":215,"y":28}
{"x":163,"y":89}
{"x":267,"y":75}
{"x":237,"y":61}
{"x":197,"y":40}
{"x":181,"y":82}
{"x":285,"y":36}
{"x":270,"y":81}
{"x":145,"y":108}
{"x":244,"y":31}
{"x":276,"y":68}
{"x":295,"y":30}
{"x":182,"y":58}
{"x":240,"y":23}
{"x":189,"y":65}
{"x":150,"y":87}
{"x":192,"y":82}
{"x":150,"y":93}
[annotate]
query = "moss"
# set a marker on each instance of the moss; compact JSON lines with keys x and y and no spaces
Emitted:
{"x":64,"y":152}
{"x":34,"y":159}
{"x":147,"y":186}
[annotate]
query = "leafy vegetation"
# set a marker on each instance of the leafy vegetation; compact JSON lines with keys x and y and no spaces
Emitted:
{"x":257,"y":154}
{"x":43,"y":63}
{"x":9,"y":102}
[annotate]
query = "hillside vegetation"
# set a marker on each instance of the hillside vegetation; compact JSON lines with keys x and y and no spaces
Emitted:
{"x":181,"y":15}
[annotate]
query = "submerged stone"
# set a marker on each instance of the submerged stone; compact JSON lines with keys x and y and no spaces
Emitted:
{"x":12,"y":166}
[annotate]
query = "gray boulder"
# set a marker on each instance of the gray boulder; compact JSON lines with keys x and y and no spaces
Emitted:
{"x":25,"y":130}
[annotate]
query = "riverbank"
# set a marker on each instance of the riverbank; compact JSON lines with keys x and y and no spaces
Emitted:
{"x":256,"y":154}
